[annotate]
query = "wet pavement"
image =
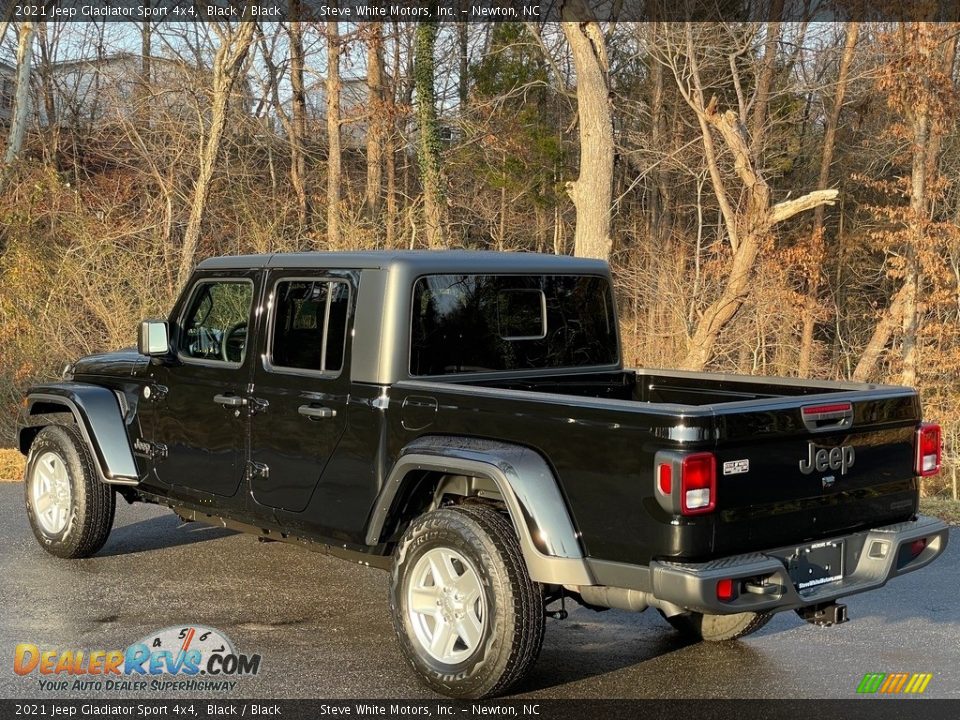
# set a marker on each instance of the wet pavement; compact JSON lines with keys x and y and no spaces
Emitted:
{"x":322,"y":628}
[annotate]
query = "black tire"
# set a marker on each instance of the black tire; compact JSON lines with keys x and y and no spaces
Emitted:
{"x":717,"y":628}
{"x":513,"y":605}
{"x":92,"y":504}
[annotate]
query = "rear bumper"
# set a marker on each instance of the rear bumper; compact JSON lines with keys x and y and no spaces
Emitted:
{"x":763,"y":583}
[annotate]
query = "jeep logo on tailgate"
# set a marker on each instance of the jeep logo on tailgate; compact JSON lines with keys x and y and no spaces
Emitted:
{"x":838,"y":458}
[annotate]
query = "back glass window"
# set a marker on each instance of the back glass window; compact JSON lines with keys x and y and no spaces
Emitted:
{"x":489,"y":323}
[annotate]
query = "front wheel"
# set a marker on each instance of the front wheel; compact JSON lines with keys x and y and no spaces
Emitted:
{"x":467,"y":615}
{"x":717,"y":628}
{"x":70,"y":510}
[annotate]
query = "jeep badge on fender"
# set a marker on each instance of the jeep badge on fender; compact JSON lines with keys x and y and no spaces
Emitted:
{"x":837,"y":458}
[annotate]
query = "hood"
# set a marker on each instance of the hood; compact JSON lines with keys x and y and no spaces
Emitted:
{"x":118,"y":363}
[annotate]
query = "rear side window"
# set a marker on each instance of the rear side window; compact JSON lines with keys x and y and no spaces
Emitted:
{"x":309,"y":327}
{"x":488,"y":323}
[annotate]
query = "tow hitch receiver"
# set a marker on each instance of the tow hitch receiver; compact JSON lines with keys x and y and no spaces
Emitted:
{"x":825,"y":614}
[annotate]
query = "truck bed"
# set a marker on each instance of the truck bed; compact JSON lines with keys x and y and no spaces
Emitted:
{"x":626,"y":417}
{"x":675,"y":387}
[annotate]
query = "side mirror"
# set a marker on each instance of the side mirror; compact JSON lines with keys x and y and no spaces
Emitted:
{"x":152,"y":339}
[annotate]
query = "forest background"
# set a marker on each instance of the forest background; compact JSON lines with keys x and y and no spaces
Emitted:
{"x":775,"y":198}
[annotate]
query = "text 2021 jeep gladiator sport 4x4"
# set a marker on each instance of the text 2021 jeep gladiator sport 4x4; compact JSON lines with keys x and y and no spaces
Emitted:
{"x":464,"y":419}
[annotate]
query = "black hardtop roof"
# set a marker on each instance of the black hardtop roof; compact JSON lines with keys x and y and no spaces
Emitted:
{"x":450,"y":261}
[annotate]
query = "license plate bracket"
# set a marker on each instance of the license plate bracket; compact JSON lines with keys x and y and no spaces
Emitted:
{"x":817,"y":564}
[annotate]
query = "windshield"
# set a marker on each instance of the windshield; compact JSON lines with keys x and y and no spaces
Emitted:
{"x":489,"y":323}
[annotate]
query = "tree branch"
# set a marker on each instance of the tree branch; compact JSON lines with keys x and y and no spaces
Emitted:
{"x":788,"y":208}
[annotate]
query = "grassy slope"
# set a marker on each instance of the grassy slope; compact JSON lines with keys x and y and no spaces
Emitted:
{"x":11,"y":465}
{"x":943,"y":508}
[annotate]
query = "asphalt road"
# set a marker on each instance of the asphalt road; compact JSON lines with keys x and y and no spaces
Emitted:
{"x":322,"y":628}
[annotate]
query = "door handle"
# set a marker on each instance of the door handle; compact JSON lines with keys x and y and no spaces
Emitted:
{"x":230,"y":400}
{"x":316,"y":412}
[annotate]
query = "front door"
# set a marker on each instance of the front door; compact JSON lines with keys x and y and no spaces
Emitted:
{"x":202,"y":418}
{"x":301,"y":385}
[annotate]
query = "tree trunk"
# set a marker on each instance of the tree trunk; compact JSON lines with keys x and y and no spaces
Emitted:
{"x":463,"y":86}
{"x":761,"y":99}
{"x":659,"y":192}
{"x":334,"y":158}
{"x":298,"y":125}
{"x":391,"y":168}
{"x":811,"y":302}
{"x":592,"y":191}
{"x":390,"y":144}
{"x":21,"y":99}
{"x":881,"y":334}
{"x":226,"y":68}
{"x":377,"y":125}
{"x":52,"y":130}
{"x":429,"y":145}
{"x":918,"y":211}
{"x":144,"y":82}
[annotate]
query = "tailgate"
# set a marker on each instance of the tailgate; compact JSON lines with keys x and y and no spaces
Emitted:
{"x":790,"y":470}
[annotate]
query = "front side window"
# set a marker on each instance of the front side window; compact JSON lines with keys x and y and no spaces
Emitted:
{"x":309,"y":325}
{"x":216,"y":323}
{"x":489,"y":323}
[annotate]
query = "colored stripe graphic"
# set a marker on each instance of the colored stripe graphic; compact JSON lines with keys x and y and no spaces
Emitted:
{"x":894,"y":683}
{"x":922,"y":684}
{"x":871,"y":682}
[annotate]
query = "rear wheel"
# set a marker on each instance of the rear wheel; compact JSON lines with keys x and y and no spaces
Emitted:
{"x":467,"y":615}
{"x":70,"y":510}
{"x":717,"y":628}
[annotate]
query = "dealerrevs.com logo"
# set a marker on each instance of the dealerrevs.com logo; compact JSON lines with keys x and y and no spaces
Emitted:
{"x":203,"y":657}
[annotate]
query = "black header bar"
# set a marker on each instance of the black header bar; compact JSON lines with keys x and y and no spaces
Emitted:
{"x":481,"y":10}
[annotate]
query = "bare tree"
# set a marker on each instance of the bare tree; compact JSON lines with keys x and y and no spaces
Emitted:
{"x":378,"y":119}
{"x":227,"y":65}
{"x":748,"y":222}
{"x":21,"y":98}
{"x":46,"y":42}
{"x":428,"y":141}
{"x":918,"y":80}
{"x":811,"y":302}
{"x":298,"y":126}
{"x":390,"y":140}
{"x":334,"y":153}
{"x":592,"y":191}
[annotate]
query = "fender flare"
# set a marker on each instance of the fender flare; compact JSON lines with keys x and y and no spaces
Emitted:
{"x":548,"y":538}
{"x":98,"y":416}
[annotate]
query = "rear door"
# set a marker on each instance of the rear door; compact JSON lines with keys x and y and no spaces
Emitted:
{"x":806,"y":468}
{"x":300,"y":385}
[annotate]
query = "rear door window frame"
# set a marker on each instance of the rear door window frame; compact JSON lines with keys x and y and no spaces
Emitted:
{"x":268,"y":364}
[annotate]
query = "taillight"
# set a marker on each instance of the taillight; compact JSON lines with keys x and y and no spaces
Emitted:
{"x":725,"y":590}
{"x":917,"y":547}
{"x":698,"y":484}
{"x":928,"y":450}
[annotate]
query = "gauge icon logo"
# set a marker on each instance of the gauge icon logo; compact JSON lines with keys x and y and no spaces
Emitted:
{"x":189,"y":650}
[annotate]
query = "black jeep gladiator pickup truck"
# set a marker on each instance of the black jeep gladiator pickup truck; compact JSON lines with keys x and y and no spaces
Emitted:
{"x":465,"y":420}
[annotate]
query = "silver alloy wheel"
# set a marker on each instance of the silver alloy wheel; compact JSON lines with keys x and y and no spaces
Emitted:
{"x":50,"y":493}
{"x":445,"y":605}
